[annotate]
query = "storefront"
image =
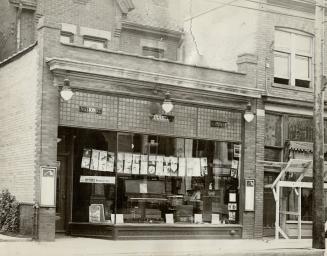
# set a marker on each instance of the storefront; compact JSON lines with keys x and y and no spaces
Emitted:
{"x":130,"y":171}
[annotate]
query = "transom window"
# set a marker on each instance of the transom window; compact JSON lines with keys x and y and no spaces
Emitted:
{"x":293,"y":58}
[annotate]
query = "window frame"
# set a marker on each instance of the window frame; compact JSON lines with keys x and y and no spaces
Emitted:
{"x":103,"y":41}
{"x":161,"y":52}
{"x":293,"y":54}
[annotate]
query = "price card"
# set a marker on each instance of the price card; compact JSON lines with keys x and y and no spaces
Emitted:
{"x":143,"y":188}
{"x":215,"y":219}
{"x":197,"y":218}
{"x":170,"y":218}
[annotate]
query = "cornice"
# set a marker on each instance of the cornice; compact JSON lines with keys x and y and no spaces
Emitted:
{"x":60,"y":66}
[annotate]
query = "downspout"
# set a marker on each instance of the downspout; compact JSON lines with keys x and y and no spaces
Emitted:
{"x":18,"y":29}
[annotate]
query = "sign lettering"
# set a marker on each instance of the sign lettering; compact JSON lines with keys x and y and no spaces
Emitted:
{"x":162,"y":118}
{"x":84,"y":109}
{"x":218,"y":124}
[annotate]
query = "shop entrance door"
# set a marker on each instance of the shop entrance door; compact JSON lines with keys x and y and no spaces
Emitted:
{"x":61,"y":194}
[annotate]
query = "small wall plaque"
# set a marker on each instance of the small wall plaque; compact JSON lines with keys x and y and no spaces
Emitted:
{"x":162,"y":118}
{"x":218,"y":124}
{"x":84,"y":109}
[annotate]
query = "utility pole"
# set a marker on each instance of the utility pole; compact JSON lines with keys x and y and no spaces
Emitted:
{"x":318,"y":209}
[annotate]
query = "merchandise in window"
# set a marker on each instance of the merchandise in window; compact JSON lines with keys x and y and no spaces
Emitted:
{"x":159,"y":179}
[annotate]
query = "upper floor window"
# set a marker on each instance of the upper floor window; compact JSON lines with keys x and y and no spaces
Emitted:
{"x":152,"y":52}
{"x":293,"y":58}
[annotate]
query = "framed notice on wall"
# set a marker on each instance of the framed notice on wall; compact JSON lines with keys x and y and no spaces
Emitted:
{"x":249,"y":194}
{"x":48,"y":177}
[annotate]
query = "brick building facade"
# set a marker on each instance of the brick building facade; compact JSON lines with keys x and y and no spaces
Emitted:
{"x":121,"y":57}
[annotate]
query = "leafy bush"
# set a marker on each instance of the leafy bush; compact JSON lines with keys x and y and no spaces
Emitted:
{"x":9,"y":212}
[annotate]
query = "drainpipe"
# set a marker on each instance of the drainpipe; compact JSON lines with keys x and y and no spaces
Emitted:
{"x":36,"y":221}
{"x":19,"y":13}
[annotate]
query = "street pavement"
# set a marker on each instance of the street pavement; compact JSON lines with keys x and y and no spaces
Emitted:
{"x":72,"y":246}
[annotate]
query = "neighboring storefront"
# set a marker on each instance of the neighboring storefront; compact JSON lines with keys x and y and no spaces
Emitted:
{"x":134,"y":171}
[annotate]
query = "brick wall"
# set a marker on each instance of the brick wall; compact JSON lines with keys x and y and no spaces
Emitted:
{"x":98,"y":14}
{"x":130,"y":41}
{"x":7,"y":29}
{"x":265,"y":45}
{"x":18,"y":126}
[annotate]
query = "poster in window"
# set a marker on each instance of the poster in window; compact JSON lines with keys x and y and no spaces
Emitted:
{"x":110,"y":162}
{"x":136,"y":164}
{"x":143,"y":188}
{"x":144,"y":165}
{"x":48,"y":185}
{"x":128,"y":163}
{"x":232,"y":197}
{"x":232,"y":206}
{"x":152,"y":165}
{"x":215,"y":219}
{"x":169,"y":218}
{"x":234,"y":164}
{"x":237,"y":151}
{"x":189,"y":167}
{"x":120,"y":162}
{"x":197,"y":167}
{"x":160,"y":166}
{"x":249,"y":194}
{"x":181,"y":166}
{"x":95,"y":160}
{"x":86,"y":159}
{"x":102,"y":161}
{"x":204,"y":166}
{"x":198,"y":218}
{"x":173,"y":166}
{"x":166,"y":166}
{"x":233,"y":173}
{"x":231,"y":216}
{"x":96,"y":213}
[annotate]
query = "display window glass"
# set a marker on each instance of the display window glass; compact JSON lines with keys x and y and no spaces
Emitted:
{"x":139,"y":178}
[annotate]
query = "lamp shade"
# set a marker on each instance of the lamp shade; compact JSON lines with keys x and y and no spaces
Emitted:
{"x":66,"y":93}
{"x":167,"y":104}
{"x":248,"y":116}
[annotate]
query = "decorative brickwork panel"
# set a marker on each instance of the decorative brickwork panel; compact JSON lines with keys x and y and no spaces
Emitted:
{"x":84,"y":110}
{"x":134,"y":115}
{"x":228,"y":126}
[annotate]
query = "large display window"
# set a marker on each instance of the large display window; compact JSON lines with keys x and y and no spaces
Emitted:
{"x":142,"y":178}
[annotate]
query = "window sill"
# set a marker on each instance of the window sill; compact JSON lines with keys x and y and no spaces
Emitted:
{"x":292,"y":87}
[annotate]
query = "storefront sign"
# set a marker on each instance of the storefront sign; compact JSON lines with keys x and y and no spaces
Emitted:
{"x":249,"y":195}
{"x":98,"y":179}
{"x":90,"y":110}
{"x":48,"y":185}
{"x":218,"y":124}
{"x":162,"y":118}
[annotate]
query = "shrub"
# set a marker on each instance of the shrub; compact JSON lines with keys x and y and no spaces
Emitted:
{"x":9,"y":212}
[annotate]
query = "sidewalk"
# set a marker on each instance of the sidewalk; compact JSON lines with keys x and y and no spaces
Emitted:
{"x":70,"y":246}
